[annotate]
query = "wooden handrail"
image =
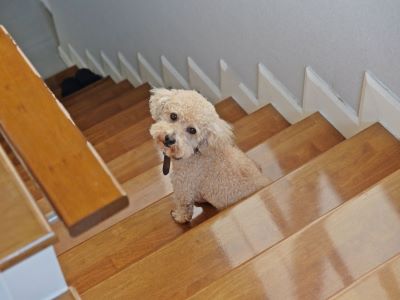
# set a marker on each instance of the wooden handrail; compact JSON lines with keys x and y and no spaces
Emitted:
{"x":23,"y":230}
{"x":67,"y":168}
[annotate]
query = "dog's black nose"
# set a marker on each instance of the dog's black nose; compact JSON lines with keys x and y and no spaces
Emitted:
{"x":168,"y":141}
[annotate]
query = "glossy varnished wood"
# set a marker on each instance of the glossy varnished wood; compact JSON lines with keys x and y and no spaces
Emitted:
{"x":93,"y":98}
{"x":23,"y":229}
{"x":294,"y":146}
{"x":150,"y":236}
{"x":229,"y":110}
{"x":211,"y":250}
{"x":326,"y":256}
{"x":117,"y":123}
{"x":381,"y":283}
{"x":125,"y":140}
{"x":262,"y":124}
{"x":117,"y":105}
{"x":55,"y":151}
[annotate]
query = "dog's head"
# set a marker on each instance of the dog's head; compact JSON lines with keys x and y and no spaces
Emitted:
{"x":186,"y":123}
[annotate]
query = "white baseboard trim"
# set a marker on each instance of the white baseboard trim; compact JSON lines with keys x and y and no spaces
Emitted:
{"x":128,"y":72}
{"x":271,"y":90}
{"x":147,"y":72}
{"x":199,"y":81}
{"x":232,"y":86}
{"x":110,"y":69}
{"x":318,"y":96}
{"x":76,"y":58}
{"x":172,"y":78}
{"x":377,"y":103}
{"x":64,"y":57}
{"x":93,"y":64}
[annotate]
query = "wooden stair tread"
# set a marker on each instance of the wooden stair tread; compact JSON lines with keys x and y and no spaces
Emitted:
{"x":92,"y":99}
{"x":153,"y":225}
{"x":211,"y":250}
{"x":110,"y":108}
{"x":23,"y":228}
{"x":87,"y":91}
{"x":230,"y":109}
{"x":327,"y":255}
{"x":117,"y":123}
{"x":68,"y":170}
{"x":295,"y":145}
{"x":381,"y":283}
{"x":253,"y":129}
{"x":125,"y":140}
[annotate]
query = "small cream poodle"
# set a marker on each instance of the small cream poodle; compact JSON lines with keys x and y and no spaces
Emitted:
{"x":206,"y":164}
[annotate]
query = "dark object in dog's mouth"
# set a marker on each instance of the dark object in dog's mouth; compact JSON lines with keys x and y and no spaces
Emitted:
{"x":166,"y":164}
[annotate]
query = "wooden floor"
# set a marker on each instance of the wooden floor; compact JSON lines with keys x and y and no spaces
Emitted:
{"x":327,"y":225}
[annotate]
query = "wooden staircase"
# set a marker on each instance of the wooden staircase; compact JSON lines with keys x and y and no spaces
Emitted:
{"x":328,"y":218}
{"x":327,"y":225}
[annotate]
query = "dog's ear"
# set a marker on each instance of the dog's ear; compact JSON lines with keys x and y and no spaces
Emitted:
{"x":157,"y":101}
{"x":220,"y":134}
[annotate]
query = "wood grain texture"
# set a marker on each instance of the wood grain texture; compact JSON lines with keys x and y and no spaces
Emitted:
{"x":69,"y":173}
{"x":326,"y":256}
{"x":117,"y":105}
{"x":87,"y":91}
{"x":23,"y":229}
{"x":229,"y":110}
{"x":211,"y":250}
{"x":86,"y":102}
{"x":118,"y":123}
{"x":150,"y":236}
{"x":381,"y":283}
{"x":148,"y":186}
{"x":125,"y":140}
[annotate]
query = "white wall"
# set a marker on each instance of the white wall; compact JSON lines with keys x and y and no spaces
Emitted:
{"x":30,"y":25}
{"x":340,"y":39}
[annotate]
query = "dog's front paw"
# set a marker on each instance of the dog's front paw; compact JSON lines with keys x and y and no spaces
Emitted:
{"x":179,"y":217}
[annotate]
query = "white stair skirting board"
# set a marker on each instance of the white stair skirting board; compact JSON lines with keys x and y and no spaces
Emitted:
{"x":199,"y":81}
{"x":147,"y":72}
{"x":76,"y":58}
{"x":231,"y":86}
{"x":172,"y":78}
{"x":93,"y":65}
{"x":377,"y":103}
{"x":110,"y":69}
{"x":271,"y":90}
{"x":128,"y":72}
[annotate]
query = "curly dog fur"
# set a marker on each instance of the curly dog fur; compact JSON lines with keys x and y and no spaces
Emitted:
{"x":206,"y":164}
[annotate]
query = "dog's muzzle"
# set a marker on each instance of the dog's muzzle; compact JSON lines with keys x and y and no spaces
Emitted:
{"x":169,"y":141}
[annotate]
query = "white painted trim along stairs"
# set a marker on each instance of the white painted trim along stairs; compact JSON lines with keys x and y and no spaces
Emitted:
{"x":377,"y":103}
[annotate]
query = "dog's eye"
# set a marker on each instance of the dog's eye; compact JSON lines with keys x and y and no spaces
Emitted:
{"x":191,"y":130}
{"x":173,"y":116}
